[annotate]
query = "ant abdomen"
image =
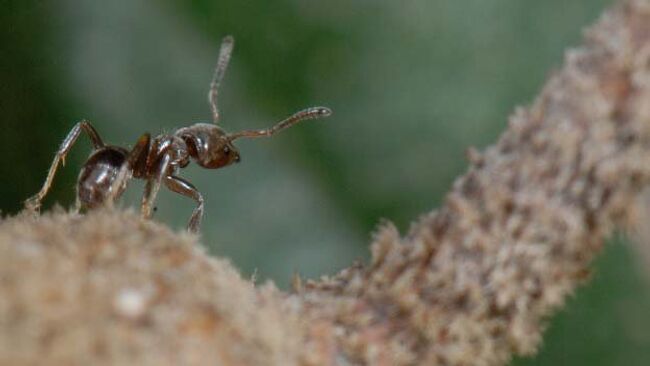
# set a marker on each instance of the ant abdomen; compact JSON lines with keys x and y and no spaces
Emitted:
{"x":97,"y":177}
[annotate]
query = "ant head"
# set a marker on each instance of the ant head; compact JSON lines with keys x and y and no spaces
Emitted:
{"x":209,"y":145}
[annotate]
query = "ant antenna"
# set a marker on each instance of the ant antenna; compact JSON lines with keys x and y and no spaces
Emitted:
{"x":305,"y":114}
{"x":225,"y":51}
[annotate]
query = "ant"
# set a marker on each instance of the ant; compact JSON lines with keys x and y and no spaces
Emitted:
{"x":104,"y":176}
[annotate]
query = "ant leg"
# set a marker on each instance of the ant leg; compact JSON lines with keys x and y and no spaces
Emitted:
{"x":145,"y":205}
{"x":225,"y":51}
{"x":134,"y":162}
{"x":153,"y":186}
{"x":34,"y":203}
{"x":181,"y":186}
{"x":139,"y":152}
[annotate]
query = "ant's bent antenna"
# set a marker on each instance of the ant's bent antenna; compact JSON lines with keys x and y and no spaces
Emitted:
{"x":225,"y":51}
{"x":305,"y":114}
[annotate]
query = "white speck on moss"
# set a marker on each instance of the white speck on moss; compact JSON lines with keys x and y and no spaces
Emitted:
{"x":29,"y":249}
{"x":131,"y":302}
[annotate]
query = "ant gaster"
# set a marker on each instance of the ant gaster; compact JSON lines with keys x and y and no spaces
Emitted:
{"x":105,"y":174}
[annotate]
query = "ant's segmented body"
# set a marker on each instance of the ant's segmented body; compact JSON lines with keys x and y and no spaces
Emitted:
{"x":105,"y":174}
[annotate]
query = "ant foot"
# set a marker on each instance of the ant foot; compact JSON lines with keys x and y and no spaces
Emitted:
{"x":33,"y":205}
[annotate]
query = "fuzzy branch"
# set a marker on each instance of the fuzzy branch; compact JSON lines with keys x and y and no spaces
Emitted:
{"x":471,"y":283}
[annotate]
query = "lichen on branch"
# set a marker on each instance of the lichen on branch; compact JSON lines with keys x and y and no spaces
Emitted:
{"x":471,"y":283}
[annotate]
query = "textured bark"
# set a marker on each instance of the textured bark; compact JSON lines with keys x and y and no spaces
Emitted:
{"x":470,"y":284}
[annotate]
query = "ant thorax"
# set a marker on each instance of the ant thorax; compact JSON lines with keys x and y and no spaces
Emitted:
{"x":172,"y":146}
{"x":208,"y":145}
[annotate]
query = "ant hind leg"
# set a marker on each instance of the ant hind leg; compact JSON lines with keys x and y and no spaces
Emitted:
{"x":34,"y":203}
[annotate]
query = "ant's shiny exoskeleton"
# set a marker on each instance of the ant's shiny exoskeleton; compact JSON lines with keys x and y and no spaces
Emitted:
{"x":105,"y":174}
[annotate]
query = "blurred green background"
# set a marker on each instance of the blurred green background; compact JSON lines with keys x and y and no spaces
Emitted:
{"x":412,"y":85}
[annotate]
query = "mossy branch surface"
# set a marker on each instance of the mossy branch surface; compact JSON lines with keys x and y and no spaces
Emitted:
{"x":470,"y":284}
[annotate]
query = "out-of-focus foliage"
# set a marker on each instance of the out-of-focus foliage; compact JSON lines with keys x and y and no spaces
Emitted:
{"x":412,"y":84}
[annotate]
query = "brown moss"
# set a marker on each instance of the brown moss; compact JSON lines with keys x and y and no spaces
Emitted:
{"x":110,"y":288}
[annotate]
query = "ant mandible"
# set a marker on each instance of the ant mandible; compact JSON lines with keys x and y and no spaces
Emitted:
{"x":105,"y":174}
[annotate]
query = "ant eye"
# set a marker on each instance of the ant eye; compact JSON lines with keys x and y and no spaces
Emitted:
{"x":226,"y":150}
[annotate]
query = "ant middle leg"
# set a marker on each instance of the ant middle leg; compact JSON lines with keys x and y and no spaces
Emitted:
{"x":181,"y":186}
{"x":135,"y":164}
{"x":153,"y":186}
{"x":34,"y":203}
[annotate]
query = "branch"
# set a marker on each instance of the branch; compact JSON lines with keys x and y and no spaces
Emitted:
{"x":471,"y":283}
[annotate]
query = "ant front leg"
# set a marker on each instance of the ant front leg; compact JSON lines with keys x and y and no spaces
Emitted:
{"x":181,"y":186}
{"x":34,"y":203}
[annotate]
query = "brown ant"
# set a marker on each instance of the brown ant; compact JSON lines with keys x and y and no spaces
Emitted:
{"x":105,"y":174}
